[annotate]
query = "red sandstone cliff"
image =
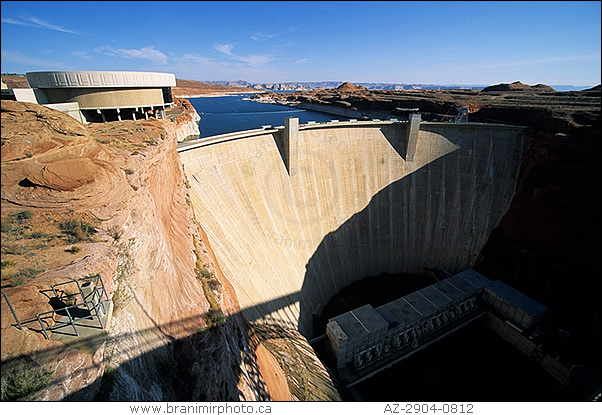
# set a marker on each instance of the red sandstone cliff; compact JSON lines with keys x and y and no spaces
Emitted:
{"x":176,"y":331}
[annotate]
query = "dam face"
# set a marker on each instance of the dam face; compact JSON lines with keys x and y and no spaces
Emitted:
{"x":296,"y":214}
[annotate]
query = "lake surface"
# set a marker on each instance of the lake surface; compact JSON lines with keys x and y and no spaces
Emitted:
{"x":221,"y":115}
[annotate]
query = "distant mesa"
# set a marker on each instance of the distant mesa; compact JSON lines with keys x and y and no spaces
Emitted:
{"x":186,"y":87}
{"x":349,"y":87}
{"x":519,"y":86}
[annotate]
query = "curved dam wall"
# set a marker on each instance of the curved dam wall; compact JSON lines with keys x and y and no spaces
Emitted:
{"x":295,"y":214}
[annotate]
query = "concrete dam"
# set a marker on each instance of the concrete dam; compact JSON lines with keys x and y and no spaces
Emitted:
{"x":296,"y":213}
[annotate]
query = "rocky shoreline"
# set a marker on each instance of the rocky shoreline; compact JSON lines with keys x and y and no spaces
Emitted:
{"x":511,"y":103}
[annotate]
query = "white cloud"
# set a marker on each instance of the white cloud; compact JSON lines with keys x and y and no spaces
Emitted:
{"x":19,"y":58}
{"x":13,"y":21}
{"x":252,"y":60}
{"x":260,"y":36}
{"x":194,"y":59}
{"x":147,"y":53}
{"x":255,"y":60}
{"x":225,"y":48}
{"x":201,"y":68}
{"x":81,"y":55}
{"x":302,"y":61}
{"x":31,"y":21}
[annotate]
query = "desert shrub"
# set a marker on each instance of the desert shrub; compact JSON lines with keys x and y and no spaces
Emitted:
{"x":15,"y":223}
{"x":74,"y":249}
{"x":37,"y":235}
{"x":21,"y":379}
{"x":13,"y":249}
{"x":215,"y":318}
{"x":203,"y":272}
{"x":21,"y":216}
{"x":114,"y":232}
{"x":126,"y":267}
{"x":7,"y":226}
{"x":21,"y":275}
{"x":7,"y":263}
{"x":37,"y":247}
{"x":77,"y":231}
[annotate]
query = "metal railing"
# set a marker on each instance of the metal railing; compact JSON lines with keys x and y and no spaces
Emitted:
{"x":90,"y":290}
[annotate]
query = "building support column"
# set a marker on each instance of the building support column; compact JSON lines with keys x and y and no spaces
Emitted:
{"x":98,"y":111}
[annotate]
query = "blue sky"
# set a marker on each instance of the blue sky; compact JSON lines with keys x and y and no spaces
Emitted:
{"x":449,"y":43}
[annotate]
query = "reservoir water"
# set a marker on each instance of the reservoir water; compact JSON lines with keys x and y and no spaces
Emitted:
{"x":221,"y":115}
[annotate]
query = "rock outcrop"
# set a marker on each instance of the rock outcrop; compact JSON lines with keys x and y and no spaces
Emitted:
{"x":176,"y":331}
{"x":518,"y":86}
{"x":349,"y":87}
{"x":187,"y":119}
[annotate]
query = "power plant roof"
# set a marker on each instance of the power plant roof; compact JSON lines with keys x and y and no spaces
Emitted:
{"x":100,"y":79}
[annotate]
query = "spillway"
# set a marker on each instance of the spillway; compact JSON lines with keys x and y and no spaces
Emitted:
{"x":295,"y":214}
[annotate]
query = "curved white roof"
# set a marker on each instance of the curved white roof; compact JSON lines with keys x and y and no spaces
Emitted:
{"x":99,"y":79}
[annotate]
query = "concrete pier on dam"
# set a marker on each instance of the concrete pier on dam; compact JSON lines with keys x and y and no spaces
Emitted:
{"x":296,"y":213}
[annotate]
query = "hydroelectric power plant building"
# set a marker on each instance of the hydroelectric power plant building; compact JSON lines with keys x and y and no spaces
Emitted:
{"x":101,"y":96}
{"x":366,"y":340}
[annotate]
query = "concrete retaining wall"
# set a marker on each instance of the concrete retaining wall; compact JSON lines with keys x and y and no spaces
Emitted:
{"x":348,"y":205}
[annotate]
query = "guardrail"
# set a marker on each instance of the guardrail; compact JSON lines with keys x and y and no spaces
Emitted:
{"x":86,"y":303}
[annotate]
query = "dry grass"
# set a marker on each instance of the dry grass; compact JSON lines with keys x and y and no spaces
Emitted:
{"x":132,"y":136}
{"x":215,"y":316}
{"x":36,"y":241}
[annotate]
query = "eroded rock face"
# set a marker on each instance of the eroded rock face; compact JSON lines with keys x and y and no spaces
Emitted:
{"x":29,"y":129}
{"x":148,"y":249}
{"x":349,"y":87}
{"x":518,"y":86}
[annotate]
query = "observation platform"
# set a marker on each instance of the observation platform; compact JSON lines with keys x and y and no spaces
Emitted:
{"x":79,"y":315}
{"x":91,"y":333}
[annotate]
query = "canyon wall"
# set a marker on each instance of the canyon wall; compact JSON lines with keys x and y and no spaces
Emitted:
{"x":173,"y":307}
